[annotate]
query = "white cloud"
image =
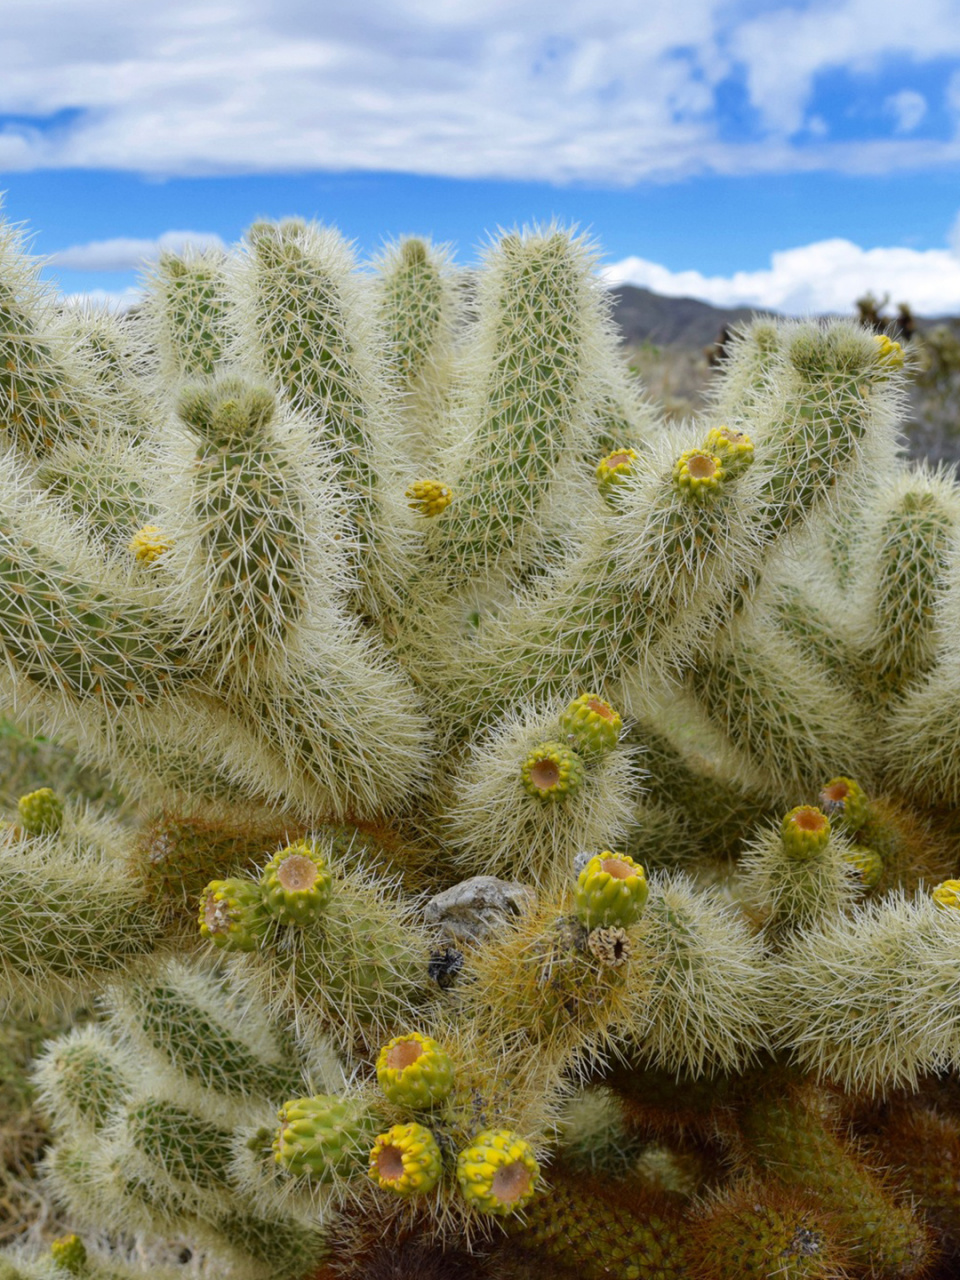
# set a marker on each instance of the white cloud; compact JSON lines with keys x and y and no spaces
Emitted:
{"x":824,"y":277}
{"x":908,"y":108}
{"x":126,"y":254}
{"x":104,"y":299}
{"x":557,"y":91}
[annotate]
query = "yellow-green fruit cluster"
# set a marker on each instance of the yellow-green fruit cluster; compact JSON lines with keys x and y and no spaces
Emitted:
{"x":888,"y":351}
{"x":406,"y":1159}
{"x":733,"y":448}
{"x":429,"y":497}
{"x":149,"y":544}
{"x":612,"y":890}
{"x":498,"y":1172}
{"x":614,"y":469}
{"x":805,"y":831}
{"x":296,"y":884}
{"x":591,"y":724}
{"x":698,"y":475}
{"x":947,"y":894}
{"x":846,"y":804}
{"x":232,"y":915}
{"x":414,"y":1071}
{"x":866,"y":863}
{"x":552,"y":772}
{"x":41,"y":812}
{"x":322,"y":1137}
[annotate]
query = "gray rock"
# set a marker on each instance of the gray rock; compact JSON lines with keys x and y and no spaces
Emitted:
{"x":469,"y":911}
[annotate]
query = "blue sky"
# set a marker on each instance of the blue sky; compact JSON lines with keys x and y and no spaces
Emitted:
{"x":771,"y":154}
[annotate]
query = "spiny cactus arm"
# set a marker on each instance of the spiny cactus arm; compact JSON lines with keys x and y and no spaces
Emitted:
{"x":69,"y":918}
{"x":304,"y":323}
{"x":792,"y":1138}
{"x":80,"y":1079}
{"x":750,"y":357}
{"x":99,"y":481}
{"x":186,"y":319}
{"x":529,"y":796}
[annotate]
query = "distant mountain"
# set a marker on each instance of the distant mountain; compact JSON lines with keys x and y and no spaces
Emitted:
{"x":672,"y":322}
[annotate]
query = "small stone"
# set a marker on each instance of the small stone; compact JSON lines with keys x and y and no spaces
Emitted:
{"x":469,"y":911}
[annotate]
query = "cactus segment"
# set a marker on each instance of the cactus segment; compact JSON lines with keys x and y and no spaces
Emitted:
{"x":498,"y":1172}
{"x":296,"y":884}
{"x":551,"y":772}
{"x":323,"y":1138}
{"x":414,"y":1071}
{"x":611,"y":890}
{"x":406,"y":1160}
{"x":591,"y":725}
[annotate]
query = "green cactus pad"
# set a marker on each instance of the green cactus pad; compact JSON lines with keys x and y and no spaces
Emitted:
{"x":805,"y":831}
{"x":845,"y":803}
{"x":551,"y":772}
{"x":296,"y":884}
{"x":41,"y":812}
{"x":232,"y":914}
{"x":611,"y":890}
{"x":407,"y":1160}
{"x":591,"y":725}
{"x":414,"y":1071}
{"x":323,"y":1137}
{"x":498,"y":1172}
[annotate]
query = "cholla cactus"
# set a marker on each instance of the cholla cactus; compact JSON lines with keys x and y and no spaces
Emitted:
{"x":361,"y":583}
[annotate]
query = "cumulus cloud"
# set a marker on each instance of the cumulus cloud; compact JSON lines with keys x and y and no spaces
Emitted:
{"x":816,"y":278}
{"x":908,"y":108}
{"x":127,"y":254}
{"x":614,"y":92}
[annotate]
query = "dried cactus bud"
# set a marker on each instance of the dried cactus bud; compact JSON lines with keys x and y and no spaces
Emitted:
{"x":591,"y":724}
{"x":296,"y":884}
{"x":805,"y":831}
{"x":612,"y":890}
{"x":698,"y":475}
{"x":733,"y":448}
{"x":429,"y":497}
{"x":614,"y":469}
{"x":41,"y":812}
{"x":888,"y":351}
{"x":323,"y":1137}
{"x":414,"y":1071}
{"x":947,"y":894}
{"x":70,"y":1254}
{"x":149,"y":543}
{"x":498,"y":1172}
{"x":845,"y":803}
{"x":232,"y":914}
{"x":610,"y":946}
{"x":867,"y":864}
{"x":551,"y":772}
{"x":406,"y":1159}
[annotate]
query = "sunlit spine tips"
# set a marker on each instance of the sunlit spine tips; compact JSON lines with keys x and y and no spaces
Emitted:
{"x":429,"y":497}
{"x":612,"y":890}
{"x":296,"y":884}
{"x":551,"y":772}
{"x":232,"y":915}
{"x":591,"y":725}
{"x":406,"y":1160}
{"x":805,"y":831}
{"x":414,"y":1071}
{"x":498,"y":1172}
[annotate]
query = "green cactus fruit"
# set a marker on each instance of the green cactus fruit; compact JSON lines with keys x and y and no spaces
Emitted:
{"x":611,"y":890}
{"x":698,"y":475}
{"x":323,"y":1137}
{"x":414,"y":1071}
{"x":41,"y":812}
{"x":232,"y":914}
{"x":297,"y":884}
{"x":805,"y":831}
{"x":407,"y":1160}
{"x":498,"y":1173}
{"x":733,"y":448}
{"x":845,"y":803}
{"x":429,"y":497}
{"x":551,"y":772}
{"x":591,"y":725}
{"x":70,"y":1254}
{"x":614,"y":469}
{"x":866,"y":863}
